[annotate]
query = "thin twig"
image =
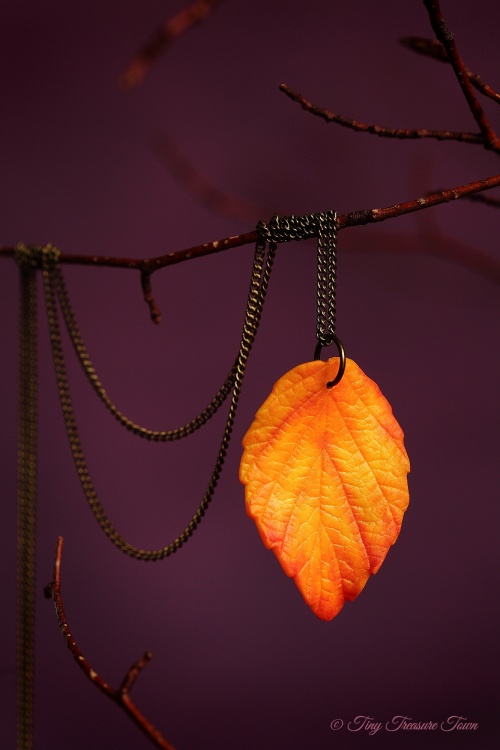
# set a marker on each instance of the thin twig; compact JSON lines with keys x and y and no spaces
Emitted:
{"x":487,"y":199}
{"x":120,"y":696}
{"x":201,"y":189}
{"x":434,"y":49}
{"x":434,"y":199}
{"x":445,"y":36}
{"x":357,"y":218}
{"x":172,"y":28}
{"x":383,"y":132}
{"x":147,"y":293}
{"x":344,"y":221}
{"x":428,"y":242}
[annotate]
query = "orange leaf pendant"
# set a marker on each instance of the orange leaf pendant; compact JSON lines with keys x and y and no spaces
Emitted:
{"x":325,"y":475}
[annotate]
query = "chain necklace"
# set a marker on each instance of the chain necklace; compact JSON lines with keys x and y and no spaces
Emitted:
{"x":55,"y":290}
{"x":30,"y":259}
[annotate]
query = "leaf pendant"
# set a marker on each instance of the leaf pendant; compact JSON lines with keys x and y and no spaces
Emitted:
{"x":325,"y":475}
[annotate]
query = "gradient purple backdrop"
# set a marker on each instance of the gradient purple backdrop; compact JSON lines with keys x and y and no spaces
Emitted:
{"x":240,"y":661}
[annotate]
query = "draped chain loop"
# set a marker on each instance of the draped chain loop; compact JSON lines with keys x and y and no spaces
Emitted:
{"x":55,"y":290}
{"x":58,"y":291}
{"x":284,"y":229}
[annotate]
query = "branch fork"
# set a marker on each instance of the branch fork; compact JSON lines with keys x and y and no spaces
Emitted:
{"x":120,"y":696}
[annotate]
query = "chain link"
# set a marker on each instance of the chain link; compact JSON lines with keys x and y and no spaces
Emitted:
{"x":261,"y":270}
{"x":326,"y":278}
{"x":287,"y":228}
{"x":26,"y":499}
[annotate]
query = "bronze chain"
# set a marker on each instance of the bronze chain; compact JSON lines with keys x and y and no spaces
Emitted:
{"x":326,"y":278}
{"x":52,"y":276}
{"x":322,"y":225}
{"x":59,"y":287}
{"x":26,"y":498}
{"x":29,"y":260}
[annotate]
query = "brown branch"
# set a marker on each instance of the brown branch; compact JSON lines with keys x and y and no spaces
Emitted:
{"x":434,"y":199}
{"x":149,"y":265}
{"x":120,"y":696}
{"x":147,"y":292}
{"x":344,"y":221}
{"x":383,"y":132}
{"x":487,"y":199}
{"x":427,"y":242}
{"x":203,"y":191}
{"x":172,"y":28}
{"x":357,"y":218}
{"x":445,"y":36}
{"x":434,"y":49}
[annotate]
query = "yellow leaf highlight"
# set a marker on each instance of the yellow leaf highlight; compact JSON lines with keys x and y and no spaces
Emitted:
{"x":325,"y":475}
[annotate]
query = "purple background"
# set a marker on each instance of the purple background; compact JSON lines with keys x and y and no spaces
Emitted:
{"x":240,"y":661}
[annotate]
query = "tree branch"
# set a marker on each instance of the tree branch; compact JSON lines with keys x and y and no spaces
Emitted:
{"x":148,"y":266}
{"x":344,"y":221}
{"x":357,"y":218}
{"x":348,"y":122}
{"x":194,"y":14}
{"x":200,"y":188}
{"x":431,"y":243}
{"x":120,"y":696}
{"x":487,"y":199}
{"x":445,"y":36}
{"x":434,"y":49}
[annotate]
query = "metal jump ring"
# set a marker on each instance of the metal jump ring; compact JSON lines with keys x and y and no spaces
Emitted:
{"x":317,"y":355}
